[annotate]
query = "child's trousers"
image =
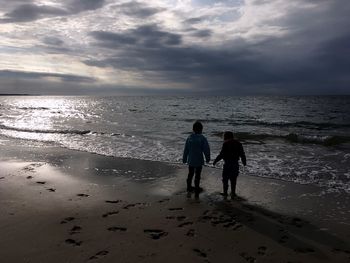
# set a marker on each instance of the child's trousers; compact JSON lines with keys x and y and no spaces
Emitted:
{"x":191,"y":172}
{"x":230,"y":173}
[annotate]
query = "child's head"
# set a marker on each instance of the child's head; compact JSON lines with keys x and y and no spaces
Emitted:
{"x":197,"y":127}
{"x":228,"y":135}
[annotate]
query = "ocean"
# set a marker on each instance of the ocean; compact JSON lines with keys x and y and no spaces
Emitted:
{"x":303,"y":139}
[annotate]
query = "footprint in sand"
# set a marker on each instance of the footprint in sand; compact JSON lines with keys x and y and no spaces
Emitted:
{"x":296,"y":222}
{"x":176,"y":209}
{"x":75,"y":230}
{"x":206,"y":218}
{"x":206,"y":212}
{"x":200,"y":253}
{"x":178,"y":218}
{"x":238,"y":226}
{"x":155,"y":233}
{"x":113,"y":201}
{"x":83,"y":195}
{"x":28,"y":169}
{"x":110,"y":213}
{"x":133,"y":205}
{"x":185,"y":224}
{"x":36,"y":164}
{"x":29,"y":177}
{"x":230,"y":224}
{"x":73,"y":242}
{"x":41,"y":182}
{"x":283,"y":239}
{"x":99,"y":254}
{"x":117,"y":229}
{"x":248,"y":258}
{"x":262,"y":250}
{"x":51,"y":189}
{"x":164,"y":200}
{"x":190,"y":233}
{"x":67,"y":219}
{"x":129,"y":206}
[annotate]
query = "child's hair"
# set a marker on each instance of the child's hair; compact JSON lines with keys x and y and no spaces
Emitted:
{"x":228,"y":135}
{"x":197,"y":127}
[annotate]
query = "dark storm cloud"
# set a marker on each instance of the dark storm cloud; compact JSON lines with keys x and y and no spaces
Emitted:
{"x":138,"y":9}
{"x":112,"y":40}
{"x":312,"y":57}
{"x":54,"y":45}
{"x":144,"y":36}
{"x":202,"y":33}
{"x":53,"y":41}
{"x":30,"y":11}
{"x":175,"y":62}
{"x":194,"y":20}
{"x":334,"y":58}
{"x":24,"y":75}
{"x":35,"y":83}
{"x":77,"y":6}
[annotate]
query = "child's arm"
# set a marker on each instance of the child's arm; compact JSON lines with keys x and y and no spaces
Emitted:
{"x":217,"y":159}
{"x":242,"y":155}
{"x":220,"y":156}
{"x":186,"y":150}
{"x":206,"y":150}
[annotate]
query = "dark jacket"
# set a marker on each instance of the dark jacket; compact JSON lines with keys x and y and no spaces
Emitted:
{"x":231,"y":151}
{"x":196,"y":146}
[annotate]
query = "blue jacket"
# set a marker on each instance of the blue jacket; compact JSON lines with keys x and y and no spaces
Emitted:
{"x":196,"y":146}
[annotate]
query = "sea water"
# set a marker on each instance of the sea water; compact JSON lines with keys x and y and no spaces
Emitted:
{"x":300,"y":139}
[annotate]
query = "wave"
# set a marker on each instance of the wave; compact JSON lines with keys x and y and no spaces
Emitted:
{"x":33,"y":108}
{"x":298,"y":124}
{"x":194,"y":120}
{"x":291,"y":137}
{"x":278,"y":124}
{"x":79,"y":132}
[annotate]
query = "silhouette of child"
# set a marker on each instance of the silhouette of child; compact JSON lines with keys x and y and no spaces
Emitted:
{"x":196,"y":145}
{"x":231,"y":152}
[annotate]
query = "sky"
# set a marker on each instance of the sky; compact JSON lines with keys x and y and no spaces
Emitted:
{"x":209,"y":47}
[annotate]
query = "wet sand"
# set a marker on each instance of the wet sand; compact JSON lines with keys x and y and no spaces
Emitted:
{"x":66,"y":206}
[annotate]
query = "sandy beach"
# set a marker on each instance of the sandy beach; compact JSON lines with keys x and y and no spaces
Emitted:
{"x":59,"y":205}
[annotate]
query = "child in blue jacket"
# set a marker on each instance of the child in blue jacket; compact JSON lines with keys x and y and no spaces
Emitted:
{"x":196,"y":146}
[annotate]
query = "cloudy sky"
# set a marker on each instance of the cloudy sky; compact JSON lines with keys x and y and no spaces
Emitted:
{"x":175,"y":47}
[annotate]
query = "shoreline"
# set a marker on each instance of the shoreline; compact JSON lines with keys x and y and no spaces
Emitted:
{"x":60,"y":205}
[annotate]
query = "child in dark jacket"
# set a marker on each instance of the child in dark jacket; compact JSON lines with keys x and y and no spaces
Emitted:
{"x":196,"y":145}
{"x":231,"y":152}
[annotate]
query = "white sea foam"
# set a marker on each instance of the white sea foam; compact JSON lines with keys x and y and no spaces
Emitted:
{"x":281,"y":140}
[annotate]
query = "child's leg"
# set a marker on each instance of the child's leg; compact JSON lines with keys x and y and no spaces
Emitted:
{"x":189,"y":178}
{"x":197,"y":178}
{"x":233,"y":180}
{"x":225,"y":177}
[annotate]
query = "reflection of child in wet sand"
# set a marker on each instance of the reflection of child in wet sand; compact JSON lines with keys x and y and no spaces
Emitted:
{"x":196,"y":146}
{"x":231,"y":152}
